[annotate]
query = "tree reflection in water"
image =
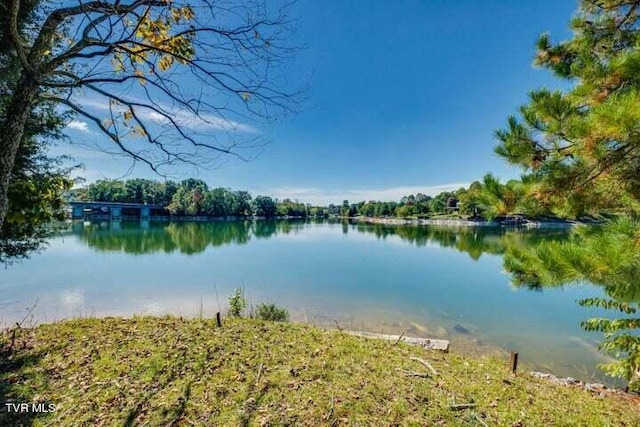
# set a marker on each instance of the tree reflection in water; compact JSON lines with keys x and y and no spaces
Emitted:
{"x":536,"y":259}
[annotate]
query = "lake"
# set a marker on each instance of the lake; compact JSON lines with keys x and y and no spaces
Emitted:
{"x":418,"y":280}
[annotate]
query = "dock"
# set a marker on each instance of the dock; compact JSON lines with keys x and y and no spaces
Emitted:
{"x":113,"y":210}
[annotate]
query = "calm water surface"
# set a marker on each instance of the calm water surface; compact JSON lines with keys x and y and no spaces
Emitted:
{"x":423,"y":281}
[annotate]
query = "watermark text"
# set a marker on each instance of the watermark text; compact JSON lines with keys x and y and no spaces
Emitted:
{"x":30,"y":407}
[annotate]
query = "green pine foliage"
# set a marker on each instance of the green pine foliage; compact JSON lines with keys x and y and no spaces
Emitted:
{"x":581,"y":150}
{"x":607,"y":256}
{"x":582,"y":144}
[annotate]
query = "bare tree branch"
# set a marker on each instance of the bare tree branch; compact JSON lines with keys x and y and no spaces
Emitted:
{"x":183,"y":76}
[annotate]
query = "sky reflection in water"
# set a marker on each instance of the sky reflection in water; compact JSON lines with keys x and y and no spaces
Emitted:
{"x":423,"y":281}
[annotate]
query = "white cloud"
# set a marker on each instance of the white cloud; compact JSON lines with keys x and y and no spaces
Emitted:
{"x":189,"y":120}
{"x":79,"y":126}
{"x":183,"y":117}
{"x":317,"y":196}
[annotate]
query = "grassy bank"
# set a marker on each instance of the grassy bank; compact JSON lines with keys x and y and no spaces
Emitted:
{"x":168,"y":371}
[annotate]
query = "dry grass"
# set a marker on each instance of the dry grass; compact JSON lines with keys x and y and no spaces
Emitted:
{"x":169,"y":371}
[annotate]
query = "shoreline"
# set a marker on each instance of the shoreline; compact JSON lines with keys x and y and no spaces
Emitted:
{"x":447,"y":222}
{"x":454,"y":222}
{"x":185,"y":218}
{"x":428,"y":343}
{"x":246,"y":372}
{"x":444,"y":346}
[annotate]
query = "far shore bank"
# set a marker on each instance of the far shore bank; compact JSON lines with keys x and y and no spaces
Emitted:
{"x":189,"y":218}
{"x":447,"y":222}
{"x":459,"y":222}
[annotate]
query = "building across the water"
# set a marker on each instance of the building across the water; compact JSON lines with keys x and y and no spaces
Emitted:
{"x":115,"y":210}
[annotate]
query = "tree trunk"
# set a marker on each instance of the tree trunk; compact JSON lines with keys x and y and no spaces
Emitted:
{"x":11,"y":133}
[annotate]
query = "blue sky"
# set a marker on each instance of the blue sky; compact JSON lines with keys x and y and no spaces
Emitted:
{"x":401,"y":97}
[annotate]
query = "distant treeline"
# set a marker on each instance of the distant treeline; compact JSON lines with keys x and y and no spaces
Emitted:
{"x":486,"y":199}
{"x":193,"y":197}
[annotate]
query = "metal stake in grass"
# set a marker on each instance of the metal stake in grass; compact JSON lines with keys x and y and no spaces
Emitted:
{"x":399,"y":338}
{"x":218,"y":320}
{"x":513,"y":362}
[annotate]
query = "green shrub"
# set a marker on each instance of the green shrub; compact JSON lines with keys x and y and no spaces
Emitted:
{"x":271,"y":312}
{"x":237,"y":303}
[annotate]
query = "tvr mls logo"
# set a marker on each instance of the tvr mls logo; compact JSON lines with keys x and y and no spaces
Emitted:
{"x":30,"y":407}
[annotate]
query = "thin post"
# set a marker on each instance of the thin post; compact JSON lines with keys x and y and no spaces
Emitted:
{"x":513,"y":362}
{"x":218,"y":320}
{"x":399,"y":338}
